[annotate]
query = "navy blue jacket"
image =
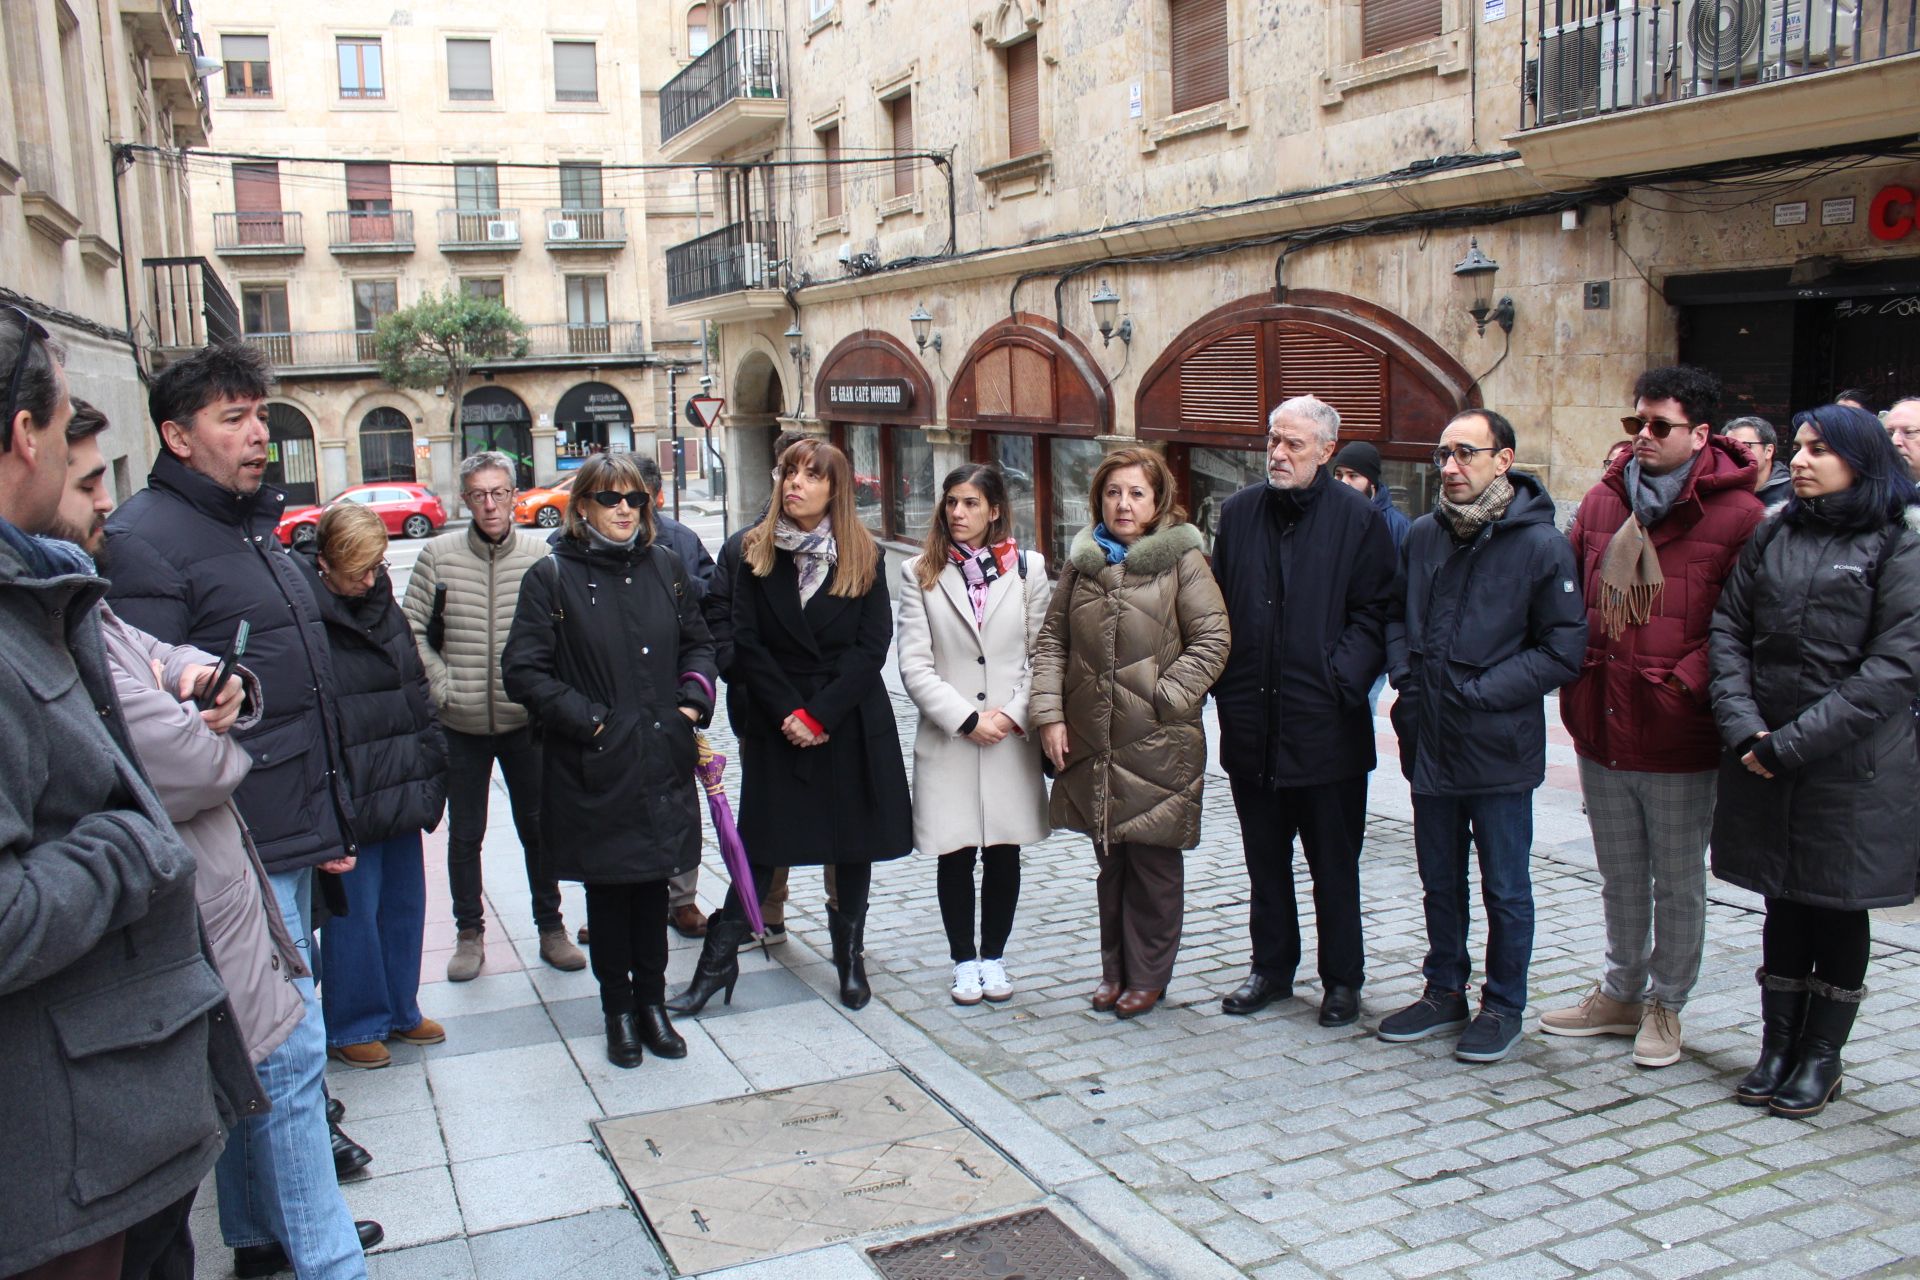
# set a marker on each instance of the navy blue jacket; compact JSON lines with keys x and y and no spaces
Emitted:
{"x":1397,"y":520}
{"x":686,"y":544}
{"x":1481,"y":634}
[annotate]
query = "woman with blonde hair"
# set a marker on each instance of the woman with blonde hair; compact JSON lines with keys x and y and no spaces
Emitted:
{"x":609,"y":653}
{"x":971,"y":604}
{"x":821,"y":776}
{"x":1136,"y":635}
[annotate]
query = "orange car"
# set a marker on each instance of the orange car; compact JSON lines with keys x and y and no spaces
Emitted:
{"x":543,"y":507}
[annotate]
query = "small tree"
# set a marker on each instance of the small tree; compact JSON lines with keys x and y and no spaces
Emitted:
{"x":437,"y":341}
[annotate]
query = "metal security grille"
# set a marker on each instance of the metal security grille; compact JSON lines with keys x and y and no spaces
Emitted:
{"x":1033,"y":1245}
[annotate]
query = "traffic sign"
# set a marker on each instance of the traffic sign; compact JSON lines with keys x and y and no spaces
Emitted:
{"x":704,"y":411}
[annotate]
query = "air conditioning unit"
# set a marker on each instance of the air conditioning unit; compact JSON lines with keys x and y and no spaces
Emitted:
{"x":1760,"y":40}
{"x":503,"y":229}
{"x":1600,"y":64}
{"x":562,"y":229}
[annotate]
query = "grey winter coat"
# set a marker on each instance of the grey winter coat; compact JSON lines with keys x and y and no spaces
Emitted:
{"x":483,"y":587}
{"x":120,"y":1065}
{"x":1816,"y":641}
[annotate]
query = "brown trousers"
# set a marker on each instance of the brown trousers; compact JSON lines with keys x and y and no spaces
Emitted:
{"x":773,"y":907}
{"x":1142,"y":894}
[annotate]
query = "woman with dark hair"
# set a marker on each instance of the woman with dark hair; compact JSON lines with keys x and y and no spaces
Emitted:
{"x":1816,"y":659}
{"x":821,"y":776}
{"x":971,"y":604}
{"x":1134,"y":638}
{"x":609,"y":653}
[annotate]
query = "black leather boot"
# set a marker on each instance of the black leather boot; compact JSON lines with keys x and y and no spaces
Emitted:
{"x":623,"y":1040}
{"x":719,"y":966}
{"x":1783,"y":1008}
{"x":657,"y":1033}
{"x":849,"y":935}
{"x":349,"y":1157}
{"x":1815,"y":1078}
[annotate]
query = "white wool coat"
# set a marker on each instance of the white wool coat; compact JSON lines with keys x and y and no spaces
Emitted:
{"x":966,"y":795}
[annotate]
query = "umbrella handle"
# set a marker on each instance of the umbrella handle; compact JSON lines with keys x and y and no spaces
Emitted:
{"x":702,"y":681}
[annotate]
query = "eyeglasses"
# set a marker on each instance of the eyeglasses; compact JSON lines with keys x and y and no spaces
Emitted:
{"x":609,"y":499}
{"x":32,"y":331}
{"x":490,"y":497}
{"x":1461,"y":453}
{"x":1660,"y":427}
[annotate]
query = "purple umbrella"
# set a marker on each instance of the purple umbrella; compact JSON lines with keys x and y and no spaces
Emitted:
{"x":709,"y":768}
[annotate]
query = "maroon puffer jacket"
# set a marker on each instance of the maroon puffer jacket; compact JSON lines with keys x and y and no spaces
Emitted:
{"x":1621,"y":711}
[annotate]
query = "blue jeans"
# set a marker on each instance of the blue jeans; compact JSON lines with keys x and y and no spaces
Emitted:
{"x":1501,"y":828}
{"x":370,"y":957}
{"x":275,"y":1178}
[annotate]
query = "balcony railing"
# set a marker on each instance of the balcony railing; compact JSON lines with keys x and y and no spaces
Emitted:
{"x":725,"y":261}
{"x":258,"y":233}
{"x":350,"y":348}
{"x":465,"y":229}
{"x":742,"y":63}
{"x":1586,"y":58}
{"x":187,"y":305}
{"x":580,"y":228}
{"x":353,"y":231}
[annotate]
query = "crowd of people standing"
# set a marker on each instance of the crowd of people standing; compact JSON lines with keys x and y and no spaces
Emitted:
{"x":218,"y":747}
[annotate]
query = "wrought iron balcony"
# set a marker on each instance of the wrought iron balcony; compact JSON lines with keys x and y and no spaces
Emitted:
{"x":186,"y":305}
{"x":471,"y":230}
{"x":258,"y":234}
{"x":352,"y":231}
{"x":725,"y":261}
{"x":743,"y":64}
{"x":583,"y":228}
{"x":353,"y":350}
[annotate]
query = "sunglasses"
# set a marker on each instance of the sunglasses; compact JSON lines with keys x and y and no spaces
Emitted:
{"x":32,"y":332}
{"x":609,"y":499}
{"x":1660,"y":427}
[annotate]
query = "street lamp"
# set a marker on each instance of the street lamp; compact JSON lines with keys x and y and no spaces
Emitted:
{"x":922,"y":324}
{"x":794,"y":337}
{"x":1474,"y":274}
{"x":1106,"y":305}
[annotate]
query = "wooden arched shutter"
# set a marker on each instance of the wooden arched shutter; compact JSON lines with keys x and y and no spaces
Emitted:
{"x":1348,"y":374}
{"x":1220,"y":383}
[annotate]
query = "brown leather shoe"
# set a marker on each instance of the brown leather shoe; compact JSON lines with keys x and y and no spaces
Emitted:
{"x":1133,"y":1002}
{"x":368,"y":1057}
{"x":688,"y":921}
{"x":426,"y":1032}
{"x":1104,"y":995}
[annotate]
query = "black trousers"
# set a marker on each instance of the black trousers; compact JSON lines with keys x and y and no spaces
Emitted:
{"x":629,"y":952}
{"x":1800,"y":941}
{"x":852,"y":881}
{"x":999,"y":893}
{"x":470,"y":760}
{"x":1330,"y":821}
{"x":161,"y":1247}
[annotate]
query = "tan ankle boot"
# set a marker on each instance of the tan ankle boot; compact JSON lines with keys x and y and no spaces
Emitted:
{"x":469,"y":953}
{"x":558,"y":950}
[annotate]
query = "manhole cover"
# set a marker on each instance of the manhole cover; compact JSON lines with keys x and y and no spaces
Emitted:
{"x":1033,"y":1245}
{"x":755,"y":1177}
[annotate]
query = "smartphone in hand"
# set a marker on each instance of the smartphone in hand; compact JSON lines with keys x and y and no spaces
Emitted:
{"x":228,"y":661}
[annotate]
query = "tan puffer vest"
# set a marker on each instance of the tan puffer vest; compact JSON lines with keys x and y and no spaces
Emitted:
{"x":483,"y":586}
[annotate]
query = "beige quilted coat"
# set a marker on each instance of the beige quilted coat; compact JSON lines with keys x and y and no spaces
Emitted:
{"x":1125,"y":659}
{"x":483,"y":586}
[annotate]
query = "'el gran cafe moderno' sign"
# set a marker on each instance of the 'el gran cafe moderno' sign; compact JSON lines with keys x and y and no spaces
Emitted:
{"x":865,"y":397}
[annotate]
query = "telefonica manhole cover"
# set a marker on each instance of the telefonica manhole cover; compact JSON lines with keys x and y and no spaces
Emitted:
{"x":770,"y":1173}
{"x":1033,"y":1245}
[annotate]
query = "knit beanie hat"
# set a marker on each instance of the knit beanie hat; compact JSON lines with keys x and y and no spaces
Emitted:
{"x":1361,"y":457}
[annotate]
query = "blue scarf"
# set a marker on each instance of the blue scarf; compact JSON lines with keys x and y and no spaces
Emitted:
{"x":41,"y":561}
{"x":1115,"y":549}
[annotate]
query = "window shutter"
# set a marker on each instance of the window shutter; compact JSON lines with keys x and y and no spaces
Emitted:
{"x":1199,"y":52}
{"x":1023,"y":98}
{"x":243,"y":48}
{"x":901,"y":109}
{"x":470,"y":69}
{"x":369,"y":182}
{"x":1351,"y":378}
{"x":574,"y":78}
{"x":830,"y":145}
{"x":256,"y":188}
{"x":1220,"y":383}
{"x":1389,"y":24}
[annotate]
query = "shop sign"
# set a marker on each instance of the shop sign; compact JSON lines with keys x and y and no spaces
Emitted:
{"x":1891,"y":214}
{"x":870,"y":393}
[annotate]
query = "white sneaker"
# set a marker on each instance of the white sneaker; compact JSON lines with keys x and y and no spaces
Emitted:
{"x":994,"y":983}
{"x":966,"y":982}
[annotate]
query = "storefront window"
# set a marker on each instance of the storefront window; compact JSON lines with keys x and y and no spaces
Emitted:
{"x":1216,"y":475}
{"x":863,"y":451}
{"x":1015,"y":456}
{"x":1415,"y":486}
{"x":1074,"y":462}
{"x":915,"y":492}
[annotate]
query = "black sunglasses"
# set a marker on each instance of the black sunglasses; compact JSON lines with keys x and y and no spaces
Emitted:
{"x":1660,"y":427}
{"x":608,"y":498}
{"x":32,"y":332}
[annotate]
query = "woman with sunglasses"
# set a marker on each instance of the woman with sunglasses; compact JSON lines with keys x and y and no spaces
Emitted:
{"x":821,"y":776}
{"x":971,"y":604}
{"x":396,"y":768}
{"x":609,"y":653}
{"x":1816,"y":660}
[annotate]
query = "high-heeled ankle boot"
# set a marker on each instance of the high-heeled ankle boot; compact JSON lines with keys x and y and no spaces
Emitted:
{"x":657,"y":1033}
{"x":1783,"y":1008}
{"x":1815,"y":1078}
{"x":849,"y":936}
{"x":623,"y":1040}
{"x":719,"y":966}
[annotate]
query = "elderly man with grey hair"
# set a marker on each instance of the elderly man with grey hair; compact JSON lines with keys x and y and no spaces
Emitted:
{"x":1307,"y":567}
{"x":1772,"y":483}
{"x":460,"y":632}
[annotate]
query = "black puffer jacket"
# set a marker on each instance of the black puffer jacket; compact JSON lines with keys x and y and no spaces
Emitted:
{"x":396,"y":754}
{"x":187,"y":560}
{"x":1483,"y":633}
{"x":600,"y":640}
{"x":1816,"y":641}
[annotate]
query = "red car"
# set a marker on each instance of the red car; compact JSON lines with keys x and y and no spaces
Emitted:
{"x":408,"y":510}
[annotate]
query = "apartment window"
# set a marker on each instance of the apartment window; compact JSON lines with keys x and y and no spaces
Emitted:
{"x":1197,"y":52}
{"x":580,"y":186}
{"x":1391,"y":24}
{"x":80,"y":141}
{"x":587,"y":315}
{"x":697,"y":38}
{"x":574,"y":76}
{"x":476,"y":187}
{"x":256,"y":201}
{"x":900,"y":117}
{"x":369,"y":203}
{"x":360,"y":71}
{"x":372,"y":299}
{"x":830,"y":149}
{"x":492,"y":288}
{"x":246,"y":60}
{"x":263,"y":308}
{"x":470,"y":70}
{"x":1023,"y":98}
{"x":819,"y":8}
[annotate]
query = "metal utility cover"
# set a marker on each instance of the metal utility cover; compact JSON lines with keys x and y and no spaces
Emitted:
{"x":750,"y":1178}
{"x":1033,"y":1245}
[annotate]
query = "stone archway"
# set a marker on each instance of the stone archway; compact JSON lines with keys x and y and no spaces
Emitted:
{"x":293,"y":463}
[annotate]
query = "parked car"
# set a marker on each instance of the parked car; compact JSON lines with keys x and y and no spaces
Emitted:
{"x":543,"y":507}
{"x":408,"y":510}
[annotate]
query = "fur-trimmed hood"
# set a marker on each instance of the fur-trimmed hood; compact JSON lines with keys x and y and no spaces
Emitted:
{"x":1153,"y":554}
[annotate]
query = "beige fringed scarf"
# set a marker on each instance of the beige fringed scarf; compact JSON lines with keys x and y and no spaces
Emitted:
{"x":1630,"y":579}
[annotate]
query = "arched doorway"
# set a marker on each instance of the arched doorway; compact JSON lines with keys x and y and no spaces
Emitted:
{"x":591,"y":418}
{"x":877,"y":400}
{"x":755,"y":402}
{"x":386,"y":446}
{"x":495,"y":418}
{"x":293,"y":464}
{"x":1210,"y":391}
